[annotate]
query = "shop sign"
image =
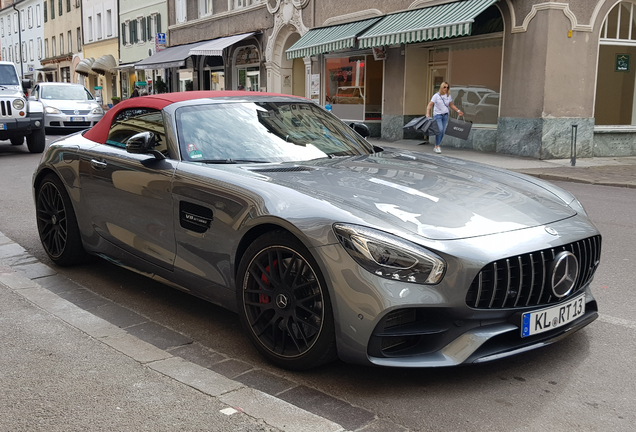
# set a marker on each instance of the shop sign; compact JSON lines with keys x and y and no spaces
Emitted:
{"x":315,"y":84}
{"x":622,"y":63}
{"x":379,"y":53}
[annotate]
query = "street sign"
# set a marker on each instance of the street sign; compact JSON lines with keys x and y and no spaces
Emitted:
{"x":160,"y":42}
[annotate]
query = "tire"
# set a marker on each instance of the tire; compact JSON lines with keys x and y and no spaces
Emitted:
{"x":36,"y":141}
{"x":57,"y":224}
{"x":17,"y":140}
{"x":286,"y":314}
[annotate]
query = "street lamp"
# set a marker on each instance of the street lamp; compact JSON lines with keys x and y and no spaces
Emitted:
{"x":20,"y":41}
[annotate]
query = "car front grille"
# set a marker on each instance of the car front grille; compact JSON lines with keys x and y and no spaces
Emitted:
{"x":525,"y":280}
{"x":72,"y":112}
{"x":75,"y":124}
{"x":5,"y":108}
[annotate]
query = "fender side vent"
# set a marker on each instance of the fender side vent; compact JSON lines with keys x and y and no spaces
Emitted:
{"x":194,"y":217}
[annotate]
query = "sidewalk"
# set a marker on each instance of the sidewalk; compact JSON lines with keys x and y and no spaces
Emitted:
{"x":611,"y":171}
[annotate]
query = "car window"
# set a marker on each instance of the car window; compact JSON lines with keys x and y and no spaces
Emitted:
{"x":473,"y":98}
{"x":64,"y":92}
{"x":492,"y":99}
{"x":8,"y":75}
{"x":132,"y":121}
{"x":264,"y":132}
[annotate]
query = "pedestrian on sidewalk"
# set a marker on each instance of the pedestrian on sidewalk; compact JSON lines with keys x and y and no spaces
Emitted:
{"x":441,"y":102}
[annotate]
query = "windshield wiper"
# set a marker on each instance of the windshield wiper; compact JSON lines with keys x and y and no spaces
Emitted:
{"x":228,"y":161}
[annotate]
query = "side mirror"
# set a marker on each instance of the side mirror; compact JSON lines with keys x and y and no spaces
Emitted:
{"x":361,"y":128}
{"x":143,"y":143}
{"x":26,"y":84}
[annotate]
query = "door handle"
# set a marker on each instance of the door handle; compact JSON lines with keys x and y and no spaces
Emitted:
{"x":98,"y":165}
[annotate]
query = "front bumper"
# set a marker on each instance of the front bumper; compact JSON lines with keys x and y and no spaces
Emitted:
{"x":75,"y":122}
{"x":20,"y":126}
{"x":445,"y":331}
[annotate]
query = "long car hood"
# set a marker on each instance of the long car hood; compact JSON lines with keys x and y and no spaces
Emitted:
{"x":436,"y":197}
{"x":69,"y":104}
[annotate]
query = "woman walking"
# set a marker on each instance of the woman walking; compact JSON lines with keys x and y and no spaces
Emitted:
{"x":440,"y":103}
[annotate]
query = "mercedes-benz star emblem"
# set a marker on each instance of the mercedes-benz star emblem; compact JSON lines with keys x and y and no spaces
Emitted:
{"x":565,"y":270}
{"x":551,"y":231}
{"x":281,"y":301}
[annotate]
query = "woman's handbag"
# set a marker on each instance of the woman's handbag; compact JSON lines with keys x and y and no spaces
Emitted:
{"x":458,"y":128}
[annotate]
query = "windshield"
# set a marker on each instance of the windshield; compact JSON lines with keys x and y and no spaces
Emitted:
{"x":8,"y":75}
{"x":58,"y":92}
{"x":264,"y":132}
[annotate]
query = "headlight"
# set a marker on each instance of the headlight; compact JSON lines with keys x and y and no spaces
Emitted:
{"x":18,"y":104}
{"x":51,"y":110}
{"x":97,"y":110}
{"x":390,"y":257}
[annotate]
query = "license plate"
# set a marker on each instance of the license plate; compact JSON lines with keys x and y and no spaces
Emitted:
{"x":547,"y":319}
{"x":77,"y":119}
{"x":3,"y":126}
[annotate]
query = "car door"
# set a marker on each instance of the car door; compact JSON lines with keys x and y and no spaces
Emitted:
{"x":128,"y":196}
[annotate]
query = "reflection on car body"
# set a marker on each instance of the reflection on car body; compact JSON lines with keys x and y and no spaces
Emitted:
{"x":325,"y":245}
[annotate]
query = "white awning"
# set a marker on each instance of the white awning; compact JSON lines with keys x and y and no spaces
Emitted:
{"x":105,"y":63}
{"x":215,"y":47}
{"x":84,"y":66}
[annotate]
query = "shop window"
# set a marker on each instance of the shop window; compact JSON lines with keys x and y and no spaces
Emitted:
{"x":354,"y":87}
{"x":616,"y":77}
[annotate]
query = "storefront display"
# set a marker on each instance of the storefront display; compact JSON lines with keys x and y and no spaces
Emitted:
{"x":353,"y":87}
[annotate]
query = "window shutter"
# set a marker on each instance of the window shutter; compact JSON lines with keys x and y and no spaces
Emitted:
{"x":130,"y":32}
{"x":143,"y":29}
{"x":158,"y":23}
{"x":52,"y":9}
{"x":135,"y":38}
{"x":46,"y":16}
{"x":123,"y":33}
{"x":149,"y":27}
{"x":59,"y":7}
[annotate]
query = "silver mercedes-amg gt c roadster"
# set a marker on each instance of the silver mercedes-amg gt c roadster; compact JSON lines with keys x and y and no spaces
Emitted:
{"x":324,"y":244}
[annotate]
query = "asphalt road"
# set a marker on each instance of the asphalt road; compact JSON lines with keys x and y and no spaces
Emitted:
{"x":586,"y":382}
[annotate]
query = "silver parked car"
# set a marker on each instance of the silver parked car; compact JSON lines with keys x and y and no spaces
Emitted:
{"x":67,"y":106}
{"x":325,"y":245}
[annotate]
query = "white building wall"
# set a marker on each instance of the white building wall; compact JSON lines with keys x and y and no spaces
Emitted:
{"x":32,"y":36}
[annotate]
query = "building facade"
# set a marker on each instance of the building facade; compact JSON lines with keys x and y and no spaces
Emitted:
{"x":22,"y":35}
{"x":140,"y":23}
{"x":62,"y":40}
{"x":100,"y":28}
{"x":533,"y":77}
{"x":213,"y":44}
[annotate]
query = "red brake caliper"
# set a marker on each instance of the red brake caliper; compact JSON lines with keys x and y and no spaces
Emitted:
{"x":264,"y":298}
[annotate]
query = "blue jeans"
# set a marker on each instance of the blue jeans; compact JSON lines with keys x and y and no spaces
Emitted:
{"x":442,"y":121}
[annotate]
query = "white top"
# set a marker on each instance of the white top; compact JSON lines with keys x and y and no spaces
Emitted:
{"x":441,"y":102}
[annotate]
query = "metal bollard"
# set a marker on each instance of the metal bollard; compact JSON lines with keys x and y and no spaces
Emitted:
{"x":573,"y":145}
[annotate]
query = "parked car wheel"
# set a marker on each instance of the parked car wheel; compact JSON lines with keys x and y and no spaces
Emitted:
{"x":36,"y":141}
{"x":57,"y":224}
{"x":283,"y":303}
{"x":17,"y":140}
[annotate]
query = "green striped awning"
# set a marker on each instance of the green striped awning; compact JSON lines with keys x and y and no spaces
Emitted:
{"x":435,"y":22}
{"x":326,"y":39}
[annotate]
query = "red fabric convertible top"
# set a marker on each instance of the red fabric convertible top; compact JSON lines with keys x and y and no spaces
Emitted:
{"x":99,"y":132}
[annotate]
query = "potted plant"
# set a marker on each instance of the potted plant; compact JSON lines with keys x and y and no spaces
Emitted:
{"x":115,"y":100}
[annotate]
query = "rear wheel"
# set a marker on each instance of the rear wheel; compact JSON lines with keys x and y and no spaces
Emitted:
{"x":57,"y":224}
{"x":284,"y":304}
{"x":36,"y":141}
{"x":17,"y":140}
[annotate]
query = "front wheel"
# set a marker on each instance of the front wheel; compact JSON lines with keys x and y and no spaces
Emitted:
{"x":57,"y":224}
{"x":284,"y":304}
{"x":36,"y":141}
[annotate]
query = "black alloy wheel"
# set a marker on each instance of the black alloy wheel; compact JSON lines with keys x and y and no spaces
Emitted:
{"x":284,"y":304}
{"x":57,"y":225}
